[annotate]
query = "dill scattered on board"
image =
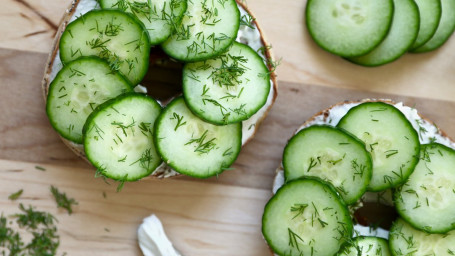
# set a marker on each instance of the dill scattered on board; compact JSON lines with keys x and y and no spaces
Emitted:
{"x":62,"y":200}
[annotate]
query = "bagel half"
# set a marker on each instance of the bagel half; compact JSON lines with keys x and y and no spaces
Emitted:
{"x":253,"y":37}
{"x":333,"y":114}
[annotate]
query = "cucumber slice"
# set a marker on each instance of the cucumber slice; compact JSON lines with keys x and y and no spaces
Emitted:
{"x":402,"y":34}
{"x":389,"y":137}
{"x":112,"y":35}
{"x":430,"y":16}
{"x":366,"y":246}
{"x":405,"y":240}
{"x":427,"y":199}
{"x":332,"y":155}
{"x":444,"y":30}
{"x":193,"y":147}
{"x":306,"y":217}
{"x":118,"y":137}
{"x":349,"y":28}
{"x":208,"y":28}
{"x":159,"y":17}
{"x":77,"y":90}
{"x":229,"y":88}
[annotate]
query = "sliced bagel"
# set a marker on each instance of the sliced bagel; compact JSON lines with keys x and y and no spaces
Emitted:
{"x":427,"y":132}
{"x":251,"y":36}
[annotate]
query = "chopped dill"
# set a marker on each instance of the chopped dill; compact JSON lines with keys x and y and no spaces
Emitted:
{"x":16,"y":195}
{"x":62,"y":200}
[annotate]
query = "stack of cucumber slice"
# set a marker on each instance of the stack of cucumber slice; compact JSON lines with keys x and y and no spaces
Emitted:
{"x":127,"y":135}
{"x":376,"y":146}
{"x":376,"y":32}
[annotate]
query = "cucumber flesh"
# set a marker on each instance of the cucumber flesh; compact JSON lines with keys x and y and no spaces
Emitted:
{"x":402,"y":34}
{"x":77,"y":90}
{"x":112,"y":35}
{"x":430,"y":16}
{"x":406,"y":240}
{"x":208,"y":28}
{"x":366,"y":246}
{"x":427,"y":199}
{"x":118,"y":137}
{"x":229,"y":88}
{"x":194,"y":147}
{"x":349,"y":28}
{"x":306,"y":217}
{"x":445,"y":28}
{"x":159,"y":17}
{"x":389,"y":137}
{"x":332,"y":155}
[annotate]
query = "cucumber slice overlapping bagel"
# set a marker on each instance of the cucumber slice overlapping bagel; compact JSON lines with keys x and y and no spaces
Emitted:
{"x":445,"y":28}
{"x":332,"y":155}
{"x":389,"y":137}
{"x":160,"y":17}
{"x":194,"y":147}
{"x":430,"y":16}
{"x":118,"y":137}
{"x":366,"y":246}
{"x":402,"y":34}
{"x":306,"y":217}
{"x":208,"y":28}
{"x":349,"y":28}
{"x":113,"y":35}
{"x":77,"y":90}
{"x":228,"y":88}
{"x":427,"y":199}
{"x":406,"y":240}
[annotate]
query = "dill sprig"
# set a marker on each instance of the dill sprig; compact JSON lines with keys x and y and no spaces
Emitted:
{"x":247,"y":20}
{"x":62,"y":200}
{"x":16,"y":195}
{"x":203,"y":146}
{"x":230,"y":70}
{"x":298,"y":209}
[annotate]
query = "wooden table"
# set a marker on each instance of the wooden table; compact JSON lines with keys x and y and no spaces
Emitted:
{"x":218,"y":216}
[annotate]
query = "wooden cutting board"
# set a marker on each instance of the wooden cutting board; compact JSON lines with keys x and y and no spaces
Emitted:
{"x":217,"y":216}
{"x":200,"y":218}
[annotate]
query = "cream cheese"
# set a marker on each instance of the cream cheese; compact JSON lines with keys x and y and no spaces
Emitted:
{"x":245,"y":35}
{"x":152,"y":239}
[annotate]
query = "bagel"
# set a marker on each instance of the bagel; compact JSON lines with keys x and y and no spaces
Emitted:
{"x":252,"y":37}
{"x":427,"y":131}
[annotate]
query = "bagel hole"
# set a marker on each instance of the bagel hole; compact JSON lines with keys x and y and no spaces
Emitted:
{"x":376,"y":214}
{"x":164,"y":76}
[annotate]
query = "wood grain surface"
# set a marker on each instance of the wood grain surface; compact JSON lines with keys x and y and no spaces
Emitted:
{"x":200,"y":219}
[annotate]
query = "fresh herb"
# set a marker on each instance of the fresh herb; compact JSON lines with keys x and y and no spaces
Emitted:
{"x":294,"y":239}
{"x":247,"y":20}
{"x":179,"y":119}
{"x":62,"y":200}
{"x":40,"y":225}
{"x":16,"y":195}
{"x":40,"y":168}
{"x":298,"y":209}
{"x":203,"y":146}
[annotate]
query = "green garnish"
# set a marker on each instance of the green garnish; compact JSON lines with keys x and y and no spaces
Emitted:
{"x":62,"y":200}
{"x":16,"y":195}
